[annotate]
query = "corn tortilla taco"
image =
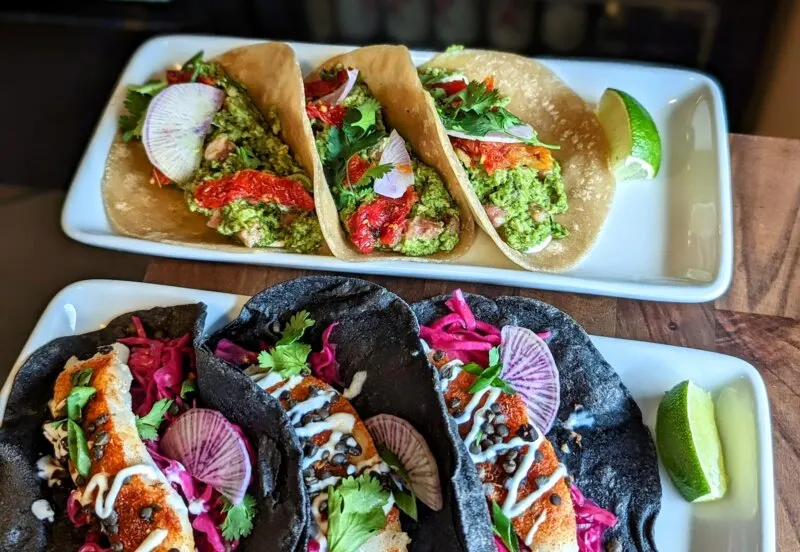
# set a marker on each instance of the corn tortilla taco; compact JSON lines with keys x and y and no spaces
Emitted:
{"x":529,"y":152}
{"x":385,"y":189}
{"x":230,"y":135}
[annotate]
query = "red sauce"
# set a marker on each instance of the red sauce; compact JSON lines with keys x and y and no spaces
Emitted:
{"x":253,"y":186}
{"x":327,"y":113}
{"x":356,"y":167}
{"x":321,"y":87}
{"x":183,"y":76}
{"x":497,"y":155}
{"x":384,"y":220}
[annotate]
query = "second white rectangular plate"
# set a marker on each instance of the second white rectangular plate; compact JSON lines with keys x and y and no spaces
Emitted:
{"x":670,"y":239}
{"x":744,"y":521}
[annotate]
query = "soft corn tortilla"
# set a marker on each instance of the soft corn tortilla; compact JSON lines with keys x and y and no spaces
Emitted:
{"x":137,"y":208}
{"x":561,"y":117}
{"x":392,"y":78}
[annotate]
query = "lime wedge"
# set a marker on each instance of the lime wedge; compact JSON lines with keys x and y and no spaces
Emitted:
{"x":689,"y":445}
{"x":632,"y":136}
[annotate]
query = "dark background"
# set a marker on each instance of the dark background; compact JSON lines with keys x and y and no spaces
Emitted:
{"x":60,"y":60}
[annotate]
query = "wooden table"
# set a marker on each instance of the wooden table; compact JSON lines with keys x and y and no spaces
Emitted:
{"x":758,"y":320}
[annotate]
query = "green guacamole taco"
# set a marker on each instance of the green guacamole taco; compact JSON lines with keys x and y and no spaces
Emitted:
{"x":224,"y":147}
{"x":530,"y":154}
{"x":388,"y":190}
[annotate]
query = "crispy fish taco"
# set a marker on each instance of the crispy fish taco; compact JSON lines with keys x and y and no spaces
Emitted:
{"x":530,"y":154}
{"x":545,"y":419}
{"x":342,"y":359}
{"x":129,"y":452}
{"x":215,"y":154}
{"x":388,"y":190}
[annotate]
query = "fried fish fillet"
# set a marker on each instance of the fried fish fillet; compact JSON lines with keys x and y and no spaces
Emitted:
{"x":109,"y":425}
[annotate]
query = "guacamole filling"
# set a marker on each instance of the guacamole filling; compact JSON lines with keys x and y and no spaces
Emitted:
{"x":351,"y":137}
{"x":516,"y":178}
{"x":249,"y":184}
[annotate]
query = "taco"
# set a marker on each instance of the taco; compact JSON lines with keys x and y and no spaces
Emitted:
{"x":545,"y":419}
{"x":215,"y":153}
{"x":530,"y":154}
{"x":342,"y":358}
{"x":129,"y":453}
{"x":388,"y":191}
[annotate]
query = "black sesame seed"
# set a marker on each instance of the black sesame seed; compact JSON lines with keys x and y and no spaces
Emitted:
{"x":324,"y":412}
{"x":538,"y":455}
{"x":488,"y":428}
{"x":485,"y":444}
{"x":501,"y":430}
{"x":512,"y":454}
{"x":340,"y":446}
{"x":174,"y":409}
{"x":339,"y":459}
{"x":307,"y":418}
{"x":284,"y":395}
{"x":457,"y":413}
{"x":313,"y":391}
{"x":455,"y":402}
{"x":308,"y":472}
{"x":495,"y":408}
{"x":500,"y":419}
{"x":541,"y":481}
{"x":326,"y":454}
{"x":496,"y":439}
{"x":510,"y":467}
{"x":97,"y":453}
{"x":490,"y":416}
{"x":101,"y":419}
{"x":101,"y":438}
{"x":555,"y":500}
{"x":438,"y":356}
{"x":80,"y":481}
{"x":475,"y":448}
{"x":354,"y":451}
{"x":146,"y":513}
{"x":324,"y":474}
{"x":310,"y":449}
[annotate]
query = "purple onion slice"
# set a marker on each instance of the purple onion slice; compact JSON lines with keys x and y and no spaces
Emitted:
{"x":529,"y":367}
{"x":400,"y":437}
{"x":514,"y":135}
{"x":175,"y":126}
{"x":395,"y":183}
{"x":212,"y":451}
{"x":338,"y":95}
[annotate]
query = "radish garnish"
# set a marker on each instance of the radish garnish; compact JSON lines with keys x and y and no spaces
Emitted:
{"x":338,"y":95}
{"x":513,"y":135}
{"x":212,"y":450}
{"x":529,"y":367}
{"x":395,"y":183}
{"x":175,"y":127}
{"x":400,"y":437}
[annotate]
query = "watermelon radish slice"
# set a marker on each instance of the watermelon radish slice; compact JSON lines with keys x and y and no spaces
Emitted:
{"x":410,"y":447}
{"x":175,"y":126}
{"x":211,"y":449}
{"x":529,"y":367}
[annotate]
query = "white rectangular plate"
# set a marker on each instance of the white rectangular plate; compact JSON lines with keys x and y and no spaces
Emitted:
{"x":670,"y":239}
{"x":742,"y":522}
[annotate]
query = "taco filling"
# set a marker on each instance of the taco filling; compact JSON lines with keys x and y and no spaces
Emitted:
{"x":387,"y":198}
{"x":151,"y":469}
{"x":357,"y":487}
{"x":226,"y":156}
{"x":501,"y":388}
{"x":513,"y":174}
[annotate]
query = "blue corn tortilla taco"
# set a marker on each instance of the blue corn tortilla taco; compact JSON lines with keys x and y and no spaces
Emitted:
{"x":116,"y":445}
{"x":341,"y":358}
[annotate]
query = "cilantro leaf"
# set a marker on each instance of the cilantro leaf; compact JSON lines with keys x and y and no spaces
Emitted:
{"x":486,"y":378}
{"x":78,"y":448}
{"x":355,"y":510}
{"x":502,"y":528}
{"x":265,"y":359}
{"x":288,"y":360}
{"x":77,"y":399}
{"x":494,"y":356}
{"x":367,"y":113}
{"x":405,"y":500}
{"x":81,"y":377}
{"x":130,"y":124}
{"x":188,"y":386}
{"x":490,"y":376}
{"x":149,"y":88}
{"x":148,"y":425}
{"x":374,"y":173}
{"x":295,"y":328}
{"x":472,"y":368}
{"x":248,"y":157}
{"x":238,"y":519}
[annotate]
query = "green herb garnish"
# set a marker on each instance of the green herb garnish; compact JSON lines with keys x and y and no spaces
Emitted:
{"x":355,"y":512}
{"x":77,"y":399}
{"x":238,"y":519}
{"x":78,"y":448}
{"x":503,"y":528}
{"x":289,"y":357}
{"x":148,"y":425}
{"x":81,"y":377}
{"x":489,"y":376}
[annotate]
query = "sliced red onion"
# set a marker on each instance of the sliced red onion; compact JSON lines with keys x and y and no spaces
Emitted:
{"x":175,"y":126}
{"x":400,"y":437}
{"x":211,"y":449}
{"x":395,"y":183}
{"x":514,"y":135}
{"x":338,"y":95}
{"x":529,"y":367}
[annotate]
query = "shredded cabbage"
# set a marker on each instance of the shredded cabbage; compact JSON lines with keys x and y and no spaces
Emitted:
{"x":592,"y":522}
{"x":323,"y":363}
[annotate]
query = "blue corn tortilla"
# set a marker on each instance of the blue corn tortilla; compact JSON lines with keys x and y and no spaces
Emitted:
{"x":377,"y":333}
{"x":22,"y":442}
{"x":616,"y":466}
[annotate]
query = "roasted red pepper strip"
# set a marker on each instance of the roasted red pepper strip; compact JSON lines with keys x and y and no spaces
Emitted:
{"x":356,"y":167}
{"x":452,"y":87}
{"x":255,"y":187}
{"x":180,"y":77}
{"x":318,"y":88}
{"x":327,"y":113}
{"x":383,"y":220}
{"x":497,"y":155}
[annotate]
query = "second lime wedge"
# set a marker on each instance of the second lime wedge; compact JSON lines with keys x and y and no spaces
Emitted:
{"x":689,"y":445}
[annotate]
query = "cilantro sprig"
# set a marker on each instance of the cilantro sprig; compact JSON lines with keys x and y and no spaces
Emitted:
{"x":238,"y":518}
{"x":355,"y":512}
{"x":289,"y":357}
{"x":406,"y":499}
{"x":148,"y":425}
{"x":489,"y":376}
{"x":137,"y":98}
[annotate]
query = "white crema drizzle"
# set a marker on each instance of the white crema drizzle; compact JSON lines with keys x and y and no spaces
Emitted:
{"x":153,"y":540}
{"x":105,"y":498}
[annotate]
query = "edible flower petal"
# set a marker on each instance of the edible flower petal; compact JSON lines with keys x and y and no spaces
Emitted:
{"x":395,"y":183}
{"x":338,"y":95}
